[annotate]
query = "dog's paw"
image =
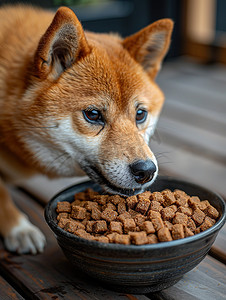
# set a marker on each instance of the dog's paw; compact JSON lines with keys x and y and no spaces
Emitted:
{"x":25,"y":238}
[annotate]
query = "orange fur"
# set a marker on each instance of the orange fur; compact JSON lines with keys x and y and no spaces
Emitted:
{"x":50,"y":71}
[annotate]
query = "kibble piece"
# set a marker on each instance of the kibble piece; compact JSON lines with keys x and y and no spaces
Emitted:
{"x":187,"y":232}
{"x":122,"y":207}
{"x":212,"y":212}
{"x":194,"y":202}
{"x":115,"y":227}
{"x":180,"y":219}
{"x":164,"y":235}
{"x":109,"y":215}
{"x":101,"y":199}
{"x":131,"y":201}
{"x":122,"y":239}
{"x":181,"y":202}
{"x":111,"y":237}
{"x":100,"y":226}
{"x":212,"y":221}
{"x":78,"y":212}
{"x":132,"y":213}
{"x":77,"y":202}
{"x":115,"y":199}
{"x":178,"y":232}
{"x":129,"y":225}
{"x":180,"y":193}
{"x":89,"y":226}
{"x":185,"y":210}
{"x":152,"y":239}
{"x":204,"y":204}
{"x":88,"y":215}
{"x":63,"y":206}
{"x":83,"y":234}
{"x":156,"y":206}
{"x":139,"y":220}
{"x":96,"y":214}
{"x":62,"y":215}
{"x":198,"y":230}
{"x":191,"y":224}
{"x":123,"y":216}
{"x":90,"y":193}
{"x":198,"y":216}
{"x":84,"y":221}
{"x":169,"y":198}
{"x":72,"y":226}
{"x":148,"y":227}
{"x":102,"y":239}
{"x":157,"y":223}
{"x":168,"y":224}
{"x":157,"y":196}
{"x":62,"y":222}
{"x":153,"y":214}
{"x":89,"y":205}
{"x":143,"y":205}
{"x":173,"y":207}
{"x":144,"y":195}
{"x":206,"y":224}
{"x":109,"y":205}
{"x":167,"y":213}
{"x":181,"y":198}
{"x":138,"y":238}
{"x":138,"y":228}
{"x":80,"y":196}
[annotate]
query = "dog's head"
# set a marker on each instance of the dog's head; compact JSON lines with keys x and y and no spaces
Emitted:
{"x":96,"y":103}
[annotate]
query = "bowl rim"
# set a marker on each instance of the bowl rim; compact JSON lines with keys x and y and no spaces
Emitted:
{"x":111,"y":246}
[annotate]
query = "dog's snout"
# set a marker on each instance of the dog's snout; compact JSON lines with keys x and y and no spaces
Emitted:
{"x":143,"y":170}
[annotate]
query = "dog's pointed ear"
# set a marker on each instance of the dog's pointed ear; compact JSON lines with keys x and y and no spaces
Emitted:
{"x":62,"y":44}
{"x":150,"y":45}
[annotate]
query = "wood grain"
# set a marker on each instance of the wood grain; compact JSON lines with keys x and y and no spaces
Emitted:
{"x":7,"y":292}
{"x":218,"y":249}
{"x":205,"y":282}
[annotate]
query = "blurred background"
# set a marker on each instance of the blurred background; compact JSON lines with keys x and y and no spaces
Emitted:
{"x":190,"y":140}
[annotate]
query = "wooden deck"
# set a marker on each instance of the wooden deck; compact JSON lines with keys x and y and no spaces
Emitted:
{"x":190,"y":143}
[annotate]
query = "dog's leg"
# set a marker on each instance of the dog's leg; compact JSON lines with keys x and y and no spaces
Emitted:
{"x":18,"y":233}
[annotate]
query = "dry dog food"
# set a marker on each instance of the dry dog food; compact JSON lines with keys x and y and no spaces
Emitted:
{"x":147,"y":218}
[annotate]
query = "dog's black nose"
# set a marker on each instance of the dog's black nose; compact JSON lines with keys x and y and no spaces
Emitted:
{"x":143,"y":170}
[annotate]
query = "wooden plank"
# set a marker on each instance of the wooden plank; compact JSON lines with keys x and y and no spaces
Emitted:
{"x":49,"y":275}
{"x":187,"y":66}
{"x":7,"y":292}
{"x":218,"y":249}
{"x":201,"y":140}
{"x":185,"y":165}
{"x":199,"y":117}
{"x":205,"y":282}
{"x":44,"y":189}
{"x":183,"y":89}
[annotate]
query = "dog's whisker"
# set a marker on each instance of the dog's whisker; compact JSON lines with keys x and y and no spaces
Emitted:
{"x":51,"y":165}
{"x":165,"y":162}
{"x":37,"y":127}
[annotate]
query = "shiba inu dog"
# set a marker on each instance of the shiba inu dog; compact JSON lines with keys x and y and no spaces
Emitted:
{"x":74,"y":102}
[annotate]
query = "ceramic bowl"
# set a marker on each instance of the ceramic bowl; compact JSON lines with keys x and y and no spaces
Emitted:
{"x":137,"y":269}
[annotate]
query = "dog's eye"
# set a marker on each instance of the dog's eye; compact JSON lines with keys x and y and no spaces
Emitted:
{"x":141,"y":116}
{"x":93,"y":116}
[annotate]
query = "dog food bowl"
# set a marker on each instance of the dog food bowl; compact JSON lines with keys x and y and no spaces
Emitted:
{"x":143,"y":268}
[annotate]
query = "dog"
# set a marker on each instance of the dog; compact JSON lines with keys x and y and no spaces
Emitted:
{"x":74,"y":103}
